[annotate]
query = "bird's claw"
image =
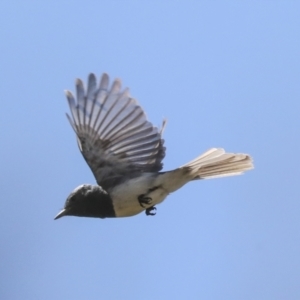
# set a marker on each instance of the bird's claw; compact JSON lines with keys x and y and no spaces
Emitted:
{"x":144,"y":200}
{"x":149,"y":211}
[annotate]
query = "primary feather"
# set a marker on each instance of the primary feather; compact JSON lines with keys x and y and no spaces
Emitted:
{"x":113,"y":133}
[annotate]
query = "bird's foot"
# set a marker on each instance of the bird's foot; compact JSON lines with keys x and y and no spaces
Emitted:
{"x":149,"y":211}
{"x":144,"y":200}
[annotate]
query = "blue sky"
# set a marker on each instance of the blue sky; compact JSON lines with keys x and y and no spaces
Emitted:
{"x":224,"y":74}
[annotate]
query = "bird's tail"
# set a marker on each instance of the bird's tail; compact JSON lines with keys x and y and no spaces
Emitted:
{"x":217,"y":163}
{"x":211,"y":164}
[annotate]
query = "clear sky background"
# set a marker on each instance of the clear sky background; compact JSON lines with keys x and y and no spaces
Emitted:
{"x":224,"y":74}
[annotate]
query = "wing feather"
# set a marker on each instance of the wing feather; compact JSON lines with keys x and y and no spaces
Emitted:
{"x":113,"y":133}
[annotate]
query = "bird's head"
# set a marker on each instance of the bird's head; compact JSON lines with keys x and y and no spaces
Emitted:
{"x":87,"y":201}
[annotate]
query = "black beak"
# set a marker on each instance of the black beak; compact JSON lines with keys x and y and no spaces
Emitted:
{"x":61,"y":214}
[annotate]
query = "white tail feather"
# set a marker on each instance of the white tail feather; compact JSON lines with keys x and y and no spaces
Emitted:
{"x":216,"y":163}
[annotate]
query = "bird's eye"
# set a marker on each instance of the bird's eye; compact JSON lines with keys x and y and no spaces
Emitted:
{"x":72,"y":200}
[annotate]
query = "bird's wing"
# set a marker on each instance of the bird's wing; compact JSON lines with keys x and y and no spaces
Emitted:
{"x":113,"y":133}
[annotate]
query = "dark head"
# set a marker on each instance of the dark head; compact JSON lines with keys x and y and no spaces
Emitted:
{"x":88,"y":201}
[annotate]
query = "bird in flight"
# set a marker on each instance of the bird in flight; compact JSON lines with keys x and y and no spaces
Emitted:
{"x":125,"y":152}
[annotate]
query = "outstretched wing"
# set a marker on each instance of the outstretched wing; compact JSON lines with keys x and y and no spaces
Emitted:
{"x":113,"y":133}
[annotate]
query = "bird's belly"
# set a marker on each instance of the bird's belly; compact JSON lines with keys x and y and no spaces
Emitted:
{"x":125,"y":196}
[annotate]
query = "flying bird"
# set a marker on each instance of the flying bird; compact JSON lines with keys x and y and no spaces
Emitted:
{"x":125,"y":152}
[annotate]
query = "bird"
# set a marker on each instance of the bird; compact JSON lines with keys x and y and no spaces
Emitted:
{"x":125,"y":152}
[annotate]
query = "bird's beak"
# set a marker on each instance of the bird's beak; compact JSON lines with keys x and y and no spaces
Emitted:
{"x":62,"y":213}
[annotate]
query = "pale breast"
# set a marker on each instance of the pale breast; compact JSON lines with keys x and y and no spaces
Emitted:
{"x":125,"y":196}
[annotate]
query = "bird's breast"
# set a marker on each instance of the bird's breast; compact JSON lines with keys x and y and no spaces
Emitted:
{"x":125,"y":196}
